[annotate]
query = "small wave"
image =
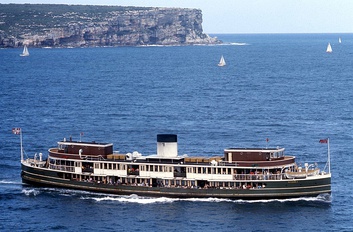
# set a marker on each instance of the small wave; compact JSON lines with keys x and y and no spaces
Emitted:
{"x":34,"y":191}
{"x":67,"y":192}
{"x":10,"y":182}
{"x":233,"y":44}
{"x":239,"y":44}
{"x":320,"y":198}
{"x":132,"y":199}
{"x":31,"y":192}
{"x":157,"y":45}
{"x":59,"y":227}
{"x":223,"y":44}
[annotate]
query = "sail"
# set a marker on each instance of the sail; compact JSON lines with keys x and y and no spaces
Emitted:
{"x":222,"y":62}
{"x":329,"y":48}
{"x":25,"y":51}
{"x":339,"y":40}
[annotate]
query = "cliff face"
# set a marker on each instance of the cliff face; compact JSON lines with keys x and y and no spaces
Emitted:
{"x":66,"y":25}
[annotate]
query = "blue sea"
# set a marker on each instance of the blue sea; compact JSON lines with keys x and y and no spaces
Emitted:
{"x":283,"y":87}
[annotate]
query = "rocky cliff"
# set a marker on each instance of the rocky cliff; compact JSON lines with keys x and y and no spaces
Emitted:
{"x":42,"y":25}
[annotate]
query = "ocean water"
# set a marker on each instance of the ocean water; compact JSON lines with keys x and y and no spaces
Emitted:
{"x":283,"y":87}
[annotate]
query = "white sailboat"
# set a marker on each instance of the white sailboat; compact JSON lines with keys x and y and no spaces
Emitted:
{"x":339,"y":40}
{"x":25,"y":51}
{"x":222,"y":62}
{"x":329,"y":48}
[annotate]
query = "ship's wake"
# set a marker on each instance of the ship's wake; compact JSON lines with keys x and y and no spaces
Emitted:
{"x":133,"y":198}
{"x":152,"y":200}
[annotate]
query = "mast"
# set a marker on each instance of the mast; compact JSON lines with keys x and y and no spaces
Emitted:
{"x":328,"y":163}
{"x":328,"y":155}
{"x":18,"y":131}
{"x":21,"y":144}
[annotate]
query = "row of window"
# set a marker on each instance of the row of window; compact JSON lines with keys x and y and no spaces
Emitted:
{"x":110,"y":166}
{"x":152,"y":168}
{"x":205,"y":170}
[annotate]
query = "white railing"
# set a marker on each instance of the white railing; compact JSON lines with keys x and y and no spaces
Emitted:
{"x":258,"y":176}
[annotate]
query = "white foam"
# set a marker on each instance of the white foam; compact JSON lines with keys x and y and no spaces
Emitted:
{"x":9,"y":182}
{"x":233,"y":44}
{"x":132,"y":199}
{"x":102,"y":197}
{"x":150,"y":200}
{"x":211,"y":199}
{"x":320,"y":198}
{"x":31,"y":192}
{"x":239,"y":44}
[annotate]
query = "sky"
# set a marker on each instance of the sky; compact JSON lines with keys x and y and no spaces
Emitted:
{"x":249,"y":16}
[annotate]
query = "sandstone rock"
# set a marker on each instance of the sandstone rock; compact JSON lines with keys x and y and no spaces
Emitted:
{"x":66,"y":25}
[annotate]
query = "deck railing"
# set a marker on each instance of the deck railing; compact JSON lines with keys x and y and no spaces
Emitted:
{"x":258,"y":176}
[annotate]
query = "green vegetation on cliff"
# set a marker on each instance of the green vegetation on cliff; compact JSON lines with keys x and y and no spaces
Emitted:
{"x":53,"y":15}
{"x":80,"y":25}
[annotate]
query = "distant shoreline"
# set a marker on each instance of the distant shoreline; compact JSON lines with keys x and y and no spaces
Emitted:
{"x":56,"y":25}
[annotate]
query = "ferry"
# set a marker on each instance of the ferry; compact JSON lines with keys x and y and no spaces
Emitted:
{"x":239,"y":173}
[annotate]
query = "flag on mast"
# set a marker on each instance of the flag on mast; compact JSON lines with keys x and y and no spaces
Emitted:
{"x":326,"y":141}
{"x":16,"y":131}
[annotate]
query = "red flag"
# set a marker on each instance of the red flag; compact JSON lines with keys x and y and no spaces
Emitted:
{"x":16,"y":131}
{"x":323,"y":140}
